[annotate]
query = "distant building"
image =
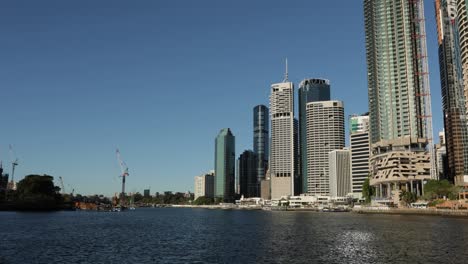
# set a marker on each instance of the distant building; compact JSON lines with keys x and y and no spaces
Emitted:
{"x":310,"y":90}
{"x":325,"y":132}
{"x":247,"y":171}
{"x":442,"y":157}
{"x":265,"y":189}
{"x":204,"y":185}
{"x":360,"y":152}
{"x":281,"y":163}
{"x":3,"y":179}
{"x":339,"y":170}
{"x":225,"y":158}
{"x":146,"y":193}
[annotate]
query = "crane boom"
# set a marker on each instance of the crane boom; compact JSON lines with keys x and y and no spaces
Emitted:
{"x":124,"y":174}
{"x":61,"y":184}
{"x":14,"y":163}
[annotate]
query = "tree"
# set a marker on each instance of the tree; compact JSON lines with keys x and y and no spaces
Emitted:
{"x":367,"y":190}
{"x":137,"y":197}
{"x":437,"y":189}
{"x":36,"y":192}
{"x":407,"y":197}
{"x":202,"y":200}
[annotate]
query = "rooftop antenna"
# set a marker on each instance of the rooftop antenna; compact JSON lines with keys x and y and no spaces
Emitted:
{"x":286,"y":73}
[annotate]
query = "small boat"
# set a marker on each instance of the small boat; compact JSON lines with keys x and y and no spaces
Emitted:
{"x":117,"y":208}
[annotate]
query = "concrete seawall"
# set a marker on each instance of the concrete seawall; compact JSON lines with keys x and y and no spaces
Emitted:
{"x":411,"y":211}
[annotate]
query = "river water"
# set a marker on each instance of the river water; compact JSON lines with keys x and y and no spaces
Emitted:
{"x":176,"y":235}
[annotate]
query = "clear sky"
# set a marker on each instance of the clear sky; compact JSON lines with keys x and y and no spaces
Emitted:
{"x":159,"y":79}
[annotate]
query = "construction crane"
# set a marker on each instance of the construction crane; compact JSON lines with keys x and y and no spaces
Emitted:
{"x":61,"y":185}
{"x":14,"y":163}
{"x":124,"y":174}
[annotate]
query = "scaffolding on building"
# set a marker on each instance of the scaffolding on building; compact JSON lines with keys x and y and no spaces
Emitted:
{"x":423,"y":76}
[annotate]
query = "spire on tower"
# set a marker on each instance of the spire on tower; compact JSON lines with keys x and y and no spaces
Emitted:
{"x":286,"y":73}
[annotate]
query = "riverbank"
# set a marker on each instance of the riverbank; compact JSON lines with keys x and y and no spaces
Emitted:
{"x":411,"y":211}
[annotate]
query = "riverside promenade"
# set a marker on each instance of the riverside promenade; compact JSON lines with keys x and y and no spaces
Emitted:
{"x":410,"y":211}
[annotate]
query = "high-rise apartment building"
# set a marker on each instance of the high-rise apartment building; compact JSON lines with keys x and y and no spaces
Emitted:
{"x":399,"y":96}
{"x":453,"y":96}
{"x":360,"y":152}
{"x":310,"y":90}
{"x":261,"y":140}
{"x":325,"y":132}
{"x":204,"y":185}
{"x":281,"y":163}
{"x":339,"y":170}
{"x":225,"y":158}
{"x":462,"y":23}
{"x":247,"y":171}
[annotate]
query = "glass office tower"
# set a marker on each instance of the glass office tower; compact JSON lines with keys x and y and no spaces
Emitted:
{"x":225,"y":158}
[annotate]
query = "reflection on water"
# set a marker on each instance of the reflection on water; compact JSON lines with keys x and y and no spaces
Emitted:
{"x":170,"y":235}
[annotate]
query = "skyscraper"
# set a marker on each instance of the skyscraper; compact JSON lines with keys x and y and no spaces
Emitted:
{"x":462,"y":22}
{"x":248,"y":183}
{"x":325,"y":132}
{"x":399,"y":95}
{"x":310,"y":90}
{"x":339,"y":169}
{"x":281,"y":162}
{"x":360,"y":152}
{"x":261,"y":140}
{"x":225,"y":165}
{"x":453,"y":96}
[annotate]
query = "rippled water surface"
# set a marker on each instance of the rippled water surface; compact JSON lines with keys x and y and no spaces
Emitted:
{"x":174,"y":235}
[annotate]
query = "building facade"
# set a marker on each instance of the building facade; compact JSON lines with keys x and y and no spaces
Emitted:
{"x":247,"y":170}
{"x":325,"y":132}
{"x":462,"y":23}
{"x":261,"y":140}
{"x":339,"y":170}
{"x":281,"y":163}
{"x":310,"y":90}
{"x":360,"y":152}
{"x":399,"y":95}
{"x":204,"y":185}
{"x":3,"y":179}
{"x":225,"y":158}
{"x":453,"y":95}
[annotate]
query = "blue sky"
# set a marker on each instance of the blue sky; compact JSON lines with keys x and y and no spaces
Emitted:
{"x":159,"y":79}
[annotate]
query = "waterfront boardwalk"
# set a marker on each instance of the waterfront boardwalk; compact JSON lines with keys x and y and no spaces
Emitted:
{"x":410,"y":211}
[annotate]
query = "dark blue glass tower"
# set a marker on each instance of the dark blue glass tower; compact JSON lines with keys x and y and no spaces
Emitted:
{"x":261,"y":139}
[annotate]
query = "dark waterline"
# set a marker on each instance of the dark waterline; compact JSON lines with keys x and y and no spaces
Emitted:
{"x":173,"y":235}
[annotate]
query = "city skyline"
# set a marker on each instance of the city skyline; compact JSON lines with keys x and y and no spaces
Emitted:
{"x":68,"y":119}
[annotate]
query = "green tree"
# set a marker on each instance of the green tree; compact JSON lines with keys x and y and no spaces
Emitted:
{"x":36,"y":192}
{"x":202,"y":200}
{"x":407,"y":197}
{"x":137,"y":197}
{"x":367,"y":191}
{"x":437,"y":189}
